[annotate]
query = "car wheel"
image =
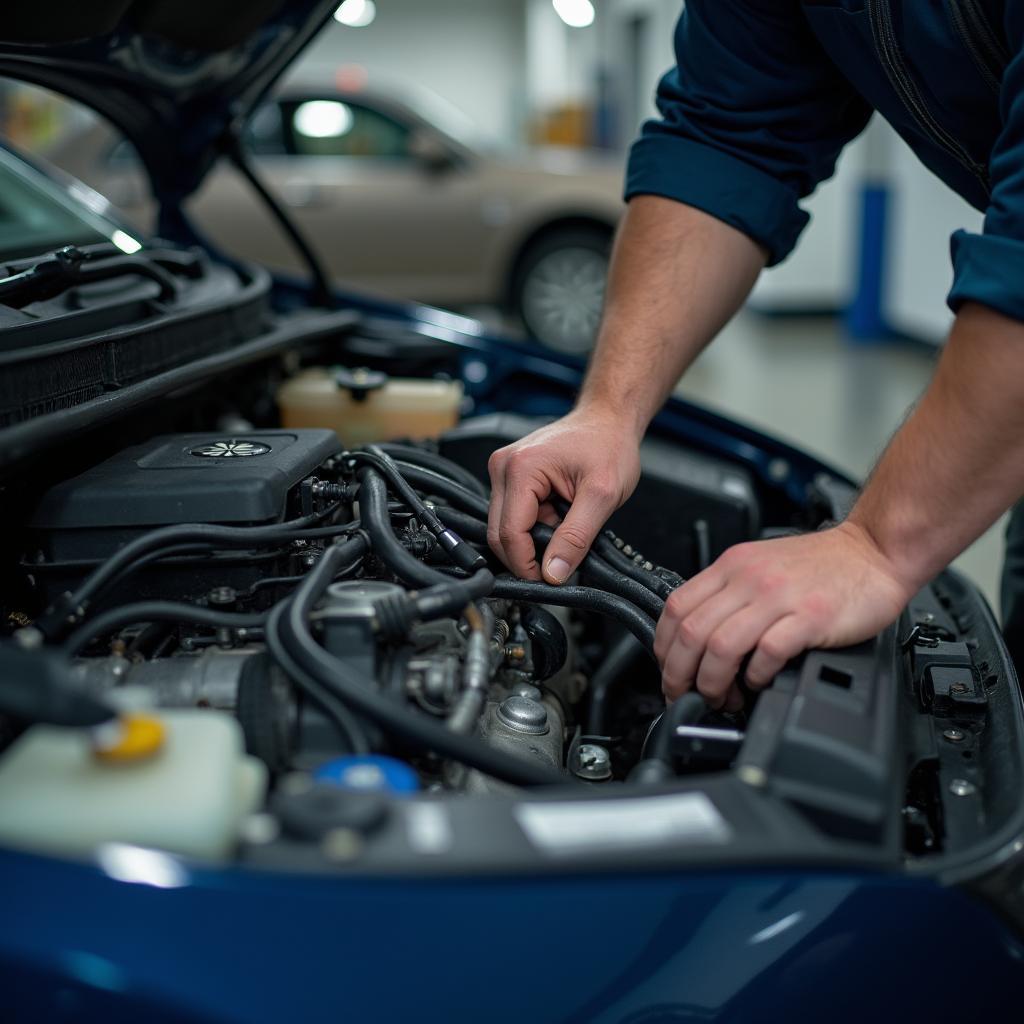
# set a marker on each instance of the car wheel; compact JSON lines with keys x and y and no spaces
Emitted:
{"x":559,"y":288}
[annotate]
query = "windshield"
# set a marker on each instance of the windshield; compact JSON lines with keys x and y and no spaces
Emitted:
{"x":37,"y":214}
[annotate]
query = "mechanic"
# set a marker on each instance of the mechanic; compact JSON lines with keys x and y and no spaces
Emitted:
{"x":765,"y":95}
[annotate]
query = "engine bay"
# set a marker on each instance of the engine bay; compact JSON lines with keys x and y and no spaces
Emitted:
{"x":257,"y":644}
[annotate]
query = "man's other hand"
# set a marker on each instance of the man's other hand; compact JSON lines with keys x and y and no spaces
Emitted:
{"x":591,"y":459}
{"x":774,"y":599}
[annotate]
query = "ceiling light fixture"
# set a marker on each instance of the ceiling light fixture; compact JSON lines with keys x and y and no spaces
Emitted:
{"x":356,"y":13}
{"x":575,"y":13}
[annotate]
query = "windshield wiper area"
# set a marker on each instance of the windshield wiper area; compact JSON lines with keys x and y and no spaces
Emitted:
{"x":71,"y":265}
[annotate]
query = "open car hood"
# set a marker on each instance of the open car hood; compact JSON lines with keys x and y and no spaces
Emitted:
{"x":175,"y":77}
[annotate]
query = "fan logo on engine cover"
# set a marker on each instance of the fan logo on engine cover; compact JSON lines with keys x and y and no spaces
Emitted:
{"x":230,"y":449}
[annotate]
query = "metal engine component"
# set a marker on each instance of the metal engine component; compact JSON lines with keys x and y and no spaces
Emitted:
{"x":523,"y":714}
{"x":349,"y":622}
{"x":209,"y":679}
{"x":546,"y":747}
{"x":591,"y":762}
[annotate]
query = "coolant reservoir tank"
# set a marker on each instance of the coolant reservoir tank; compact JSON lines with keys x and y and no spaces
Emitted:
{"x":364,"y":406}
{"x":188,"y":797}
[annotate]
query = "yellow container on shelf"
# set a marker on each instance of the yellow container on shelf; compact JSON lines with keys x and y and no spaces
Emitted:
{"x":363,"y":406}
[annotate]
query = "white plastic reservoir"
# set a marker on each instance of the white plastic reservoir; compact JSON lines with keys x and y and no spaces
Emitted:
{"x":188,"y":798}
{"x":395,"y":409}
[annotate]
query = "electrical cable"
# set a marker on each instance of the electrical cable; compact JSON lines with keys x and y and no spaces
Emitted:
{"x":373,"y":507}
{"x":454,"y":493}
{"x":404,"y":453}
{"x":157,"y":611}
{"x":634,"y":586}
{"x":616,"y":582}
{"x":605,"y":547}
{"x":72,"y":607}
{"x":383,"y":463}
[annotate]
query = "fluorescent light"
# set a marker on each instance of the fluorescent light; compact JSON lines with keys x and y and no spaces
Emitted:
{"x":356,"y":13}
{"x":322,"y":119}
{"x":141,"y":866}
{"x":575,"y":13}
{"x":125,"y":242}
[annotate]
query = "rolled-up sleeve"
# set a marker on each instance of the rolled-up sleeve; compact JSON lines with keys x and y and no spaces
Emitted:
{"x":753,"y":117}
{"x":989,"y":267}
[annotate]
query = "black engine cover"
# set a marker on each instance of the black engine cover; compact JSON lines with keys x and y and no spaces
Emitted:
{"x":179,"y":478}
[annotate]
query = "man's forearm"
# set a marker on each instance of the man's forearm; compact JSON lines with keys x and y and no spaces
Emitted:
{"x":958,"y":461}
{"x":677,"y":276}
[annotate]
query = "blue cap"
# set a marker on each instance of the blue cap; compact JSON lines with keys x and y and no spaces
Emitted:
{"x":369,"y":772}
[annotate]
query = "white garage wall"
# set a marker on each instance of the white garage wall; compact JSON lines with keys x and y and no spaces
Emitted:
{"x":469,"y":52}
{"x":924,"y":213}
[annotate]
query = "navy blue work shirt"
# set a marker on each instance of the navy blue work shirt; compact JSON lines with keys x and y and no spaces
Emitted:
{"x":767,"y":92}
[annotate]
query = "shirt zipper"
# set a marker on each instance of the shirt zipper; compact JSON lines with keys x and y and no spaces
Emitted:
{"x":995,"y":49}
{"x":974,"y":43}
{"x":887,"y":47}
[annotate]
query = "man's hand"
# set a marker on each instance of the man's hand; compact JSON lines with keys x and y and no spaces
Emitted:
{"x":774,"y":598}
{"x":591,"y":458}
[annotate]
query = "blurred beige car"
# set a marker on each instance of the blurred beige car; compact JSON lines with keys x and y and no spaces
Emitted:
{"x":395,"y":204}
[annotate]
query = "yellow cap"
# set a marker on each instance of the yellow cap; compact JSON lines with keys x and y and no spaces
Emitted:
{"x":133,"y":738}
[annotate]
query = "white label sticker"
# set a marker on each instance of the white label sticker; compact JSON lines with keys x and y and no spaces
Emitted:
{"x":428,"y":827}
{"x":590,"y":826}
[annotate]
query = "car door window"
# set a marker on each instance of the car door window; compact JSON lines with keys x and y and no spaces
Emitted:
{"x":264,"y":132}
{"x":328,"y":127}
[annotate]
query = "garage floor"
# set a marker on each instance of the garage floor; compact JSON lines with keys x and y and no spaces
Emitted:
{"x":802,"y":381}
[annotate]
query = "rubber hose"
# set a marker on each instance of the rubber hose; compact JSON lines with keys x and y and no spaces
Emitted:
{"x":373,"y":509}
{"x":403,"y":453}
{"x":374,"y":458}
{"x":349,"y":729}
{"x":616,"y":582}
{"x":687,"y":710}
{"x":584,"y":598}
{"x":174,"y":538}
{"x":433,"y":483}
{"x":611,"y":669}
{"x":359,"y":694}
{"x":157,"y":611}
{"x":550,"y":646}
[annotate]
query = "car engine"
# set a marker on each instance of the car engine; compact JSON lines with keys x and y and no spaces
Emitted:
{"x":343,"y":607}
{"x":260,"y":644}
